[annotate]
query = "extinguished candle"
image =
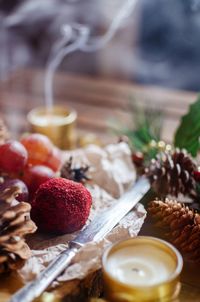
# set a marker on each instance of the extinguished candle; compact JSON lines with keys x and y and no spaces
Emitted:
{"x":145,"y":268}
{"x":58,"y":124}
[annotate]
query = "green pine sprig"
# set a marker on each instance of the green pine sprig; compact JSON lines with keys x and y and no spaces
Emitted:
{"x":147,"y":125}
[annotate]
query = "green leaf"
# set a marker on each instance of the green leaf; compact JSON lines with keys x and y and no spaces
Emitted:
{"x":188,"y":133}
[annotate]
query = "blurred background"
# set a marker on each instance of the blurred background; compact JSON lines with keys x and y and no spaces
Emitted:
{"x":158,"y":44}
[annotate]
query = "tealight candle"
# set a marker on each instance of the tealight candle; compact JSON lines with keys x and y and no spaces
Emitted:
{"x":142,"y":269}
{"x":58,"y":124}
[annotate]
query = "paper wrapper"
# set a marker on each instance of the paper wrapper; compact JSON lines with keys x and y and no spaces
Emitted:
{"x":113,"y":173}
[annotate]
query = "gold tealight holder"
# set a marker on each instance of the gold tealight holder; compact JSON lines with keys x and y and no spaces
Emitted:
{"x":59,"y":124}
{"x":142,"y":269}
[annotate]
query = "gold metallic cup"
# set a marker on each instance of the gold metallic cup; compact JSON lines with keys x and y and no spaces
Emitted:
{"x":167,"y":290}
{"x":59,"y":124}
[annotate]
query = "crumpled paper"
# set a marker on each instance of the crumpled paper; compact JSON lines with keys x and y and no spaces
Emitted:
{"x":112,"y":173}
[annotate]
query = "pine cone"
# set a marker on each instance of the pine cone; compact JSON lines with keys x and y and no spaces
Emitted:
{"x":78,"y":174}
{"x":172,"y":173}
{"x":15,"y":223}
{"x":170,"y":214}
{"x":4,"y":134}
{"x":181,"y":224}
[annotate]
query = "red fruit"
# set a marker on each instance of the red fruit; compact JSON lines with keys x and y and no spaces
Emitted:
{"x":39,"y":148}
{"x":61,"y":206}
{"x":13,"y":157}
{"x":34,"y":176}
{"x":197,"y":175}
{"x":54,"y":160}
{"x":138,"y":158}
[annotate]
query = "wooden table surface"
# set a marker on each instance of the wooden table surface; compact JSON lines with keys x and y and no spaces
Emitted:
{"x":97,"y":101}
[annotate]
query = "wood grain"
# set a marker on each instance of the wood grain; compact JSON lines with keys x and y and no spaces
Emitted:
{"x":96,"y":100}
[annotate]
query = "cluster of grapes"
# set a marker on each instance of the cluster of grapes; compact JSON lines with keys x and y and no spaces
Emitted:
{"x":28,"y":163}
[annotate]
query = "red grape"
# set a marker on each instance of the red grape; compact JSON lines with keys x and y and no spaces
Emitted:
{"x":54,"y":160}
{"x":34,"y":176}
{"x":13,"y":157}
{"x":23,"y":196}
{"x":39,"y":148}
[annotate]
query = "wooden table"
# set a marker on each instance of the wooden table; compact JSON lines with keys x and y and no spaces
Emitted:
{"x":96,"y":101}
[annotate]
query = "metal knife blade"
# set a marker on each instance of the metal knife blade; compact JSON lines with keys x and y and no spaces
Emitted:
{"x":95,"y":231}
{"x":106,"y":221}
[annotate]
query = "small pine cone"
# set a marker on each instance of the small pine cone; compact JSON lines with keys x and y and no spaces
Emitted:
{"x":172,"y":173}
{"x":78,"y":174}
{"x":4,"y":134}
{"x":15,"y":223}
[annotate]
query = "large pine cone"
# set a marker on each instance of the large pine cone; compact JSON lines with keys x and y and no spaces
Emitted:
{"x":15,"y":223}
{"x":180,"y":224}
{"x":172,"y":173}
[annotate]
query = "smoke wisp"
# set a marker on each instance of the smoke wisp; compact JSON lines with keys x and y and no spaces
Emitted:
{"x":76,"y":37}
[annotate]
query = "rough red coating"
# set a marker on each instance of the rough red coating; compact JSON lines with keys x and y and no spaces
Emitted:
{"x":61,"y":206}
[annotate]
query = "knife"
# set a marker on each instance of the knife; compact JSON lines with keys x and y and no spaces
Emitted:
{"x":95,"y":231}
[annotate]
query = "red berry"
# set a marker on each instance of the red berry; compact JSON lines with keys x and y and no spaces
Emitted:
{"x":197,"y":175}
{"x":13,"y":157}
{"x":39,"y":148}
{"x":61,"y":206}
{"x":138,"y":158}
{"x":34,"y":176}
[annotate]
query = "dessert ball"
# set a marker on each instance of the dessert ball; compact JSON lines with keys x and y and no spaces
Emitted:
{"x":61,"y":206}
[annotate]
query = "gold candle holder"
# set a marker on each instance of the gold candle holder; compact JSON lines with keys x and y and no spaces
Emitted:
{"x":142,"y":269}
{"x":59,"y":124}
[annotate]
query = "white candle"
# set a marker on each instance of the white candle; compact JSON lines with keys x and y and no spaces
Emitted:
{"x":141,"y":269}
{"x":141,"y":265}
